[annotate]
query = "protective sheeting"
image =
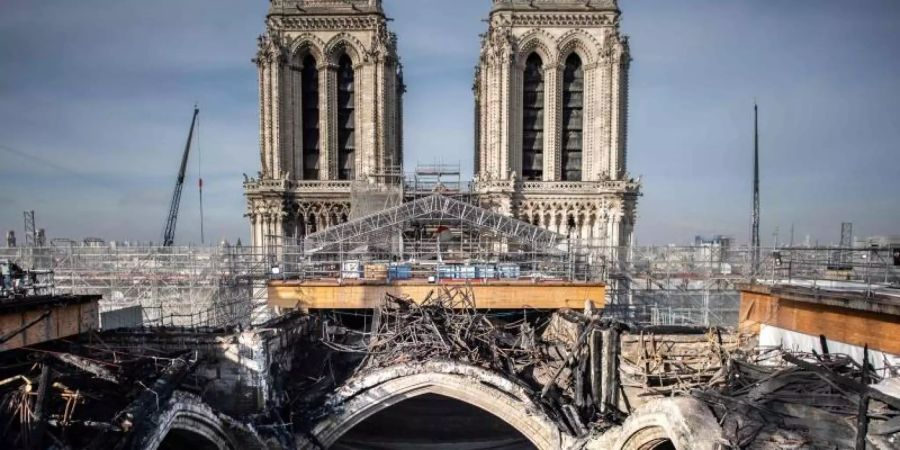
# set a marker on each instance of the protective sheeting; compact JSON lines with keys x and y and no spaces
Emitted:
{"x":770,"y":336}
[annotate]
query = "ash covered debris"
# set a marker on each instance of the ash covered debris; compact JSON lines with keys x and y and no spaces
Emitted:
{"x":784,"y":400}
{"x":548,"y":356}
{"x":570,"y":379}
{"x":100,"y":391}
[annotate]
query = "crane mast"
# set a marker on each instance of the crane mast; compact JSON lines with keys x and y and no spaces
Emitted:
{"x":172,"y":220}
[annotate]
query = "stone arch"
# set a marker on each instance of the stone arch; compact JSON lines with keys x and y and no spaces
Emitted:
{"x":580,"y":43}
{"x":308,"y":44}
{"x":535,"y":41}
{"x":187,"y":413}
{"x":684,"y":423}
{"x":376,"y":391}
{"x":344,"y":44}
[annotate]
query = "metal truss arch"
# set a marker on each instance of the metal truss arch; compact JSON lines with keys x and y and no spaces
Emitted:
{"x":436,"y":207}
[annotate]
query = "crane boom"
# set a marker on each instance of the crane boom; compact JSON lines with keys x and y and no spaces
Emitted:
{"x":172,"y":220}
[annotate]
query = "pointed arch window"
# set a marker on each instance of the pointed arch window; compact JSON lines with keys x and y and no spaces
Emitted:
{"x":533,"y":119}
{"x":573,"y":118}
{"x":310,"y":99}
{"x":346,"y":104}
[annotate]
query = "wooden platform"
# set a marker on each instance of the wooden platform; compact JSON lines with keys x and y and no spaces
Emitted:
{"x":360,"y":294}
{"x":32,"y":320}
{"x":847,"y":317}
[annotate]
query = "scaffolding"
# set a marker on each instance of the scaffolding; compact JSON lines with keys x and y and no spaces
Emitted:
{"x":226,"y":285}
{"x":174,"y":286}
{"x":698,"y":285}
{"x":368,"y":198}
{"x":445,"y":179}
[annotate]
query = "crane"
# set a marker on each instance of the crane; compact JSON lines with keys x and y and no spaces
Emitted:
{"x":169,"y":233}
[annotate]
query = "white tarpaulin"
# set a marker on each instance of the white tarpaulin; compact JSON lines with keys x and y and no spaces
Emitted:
{"x":770,"y":336}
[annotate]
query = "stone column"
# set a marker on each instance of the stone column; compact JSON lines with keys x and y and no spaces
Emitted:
{"x":516,"y":89}
{"x":590,"y":164}
{"x":484,"y":158}
{"x":381,"y":111}
{"x":328,"y":121}
{"x":585,"y":228}
{"x":616,"y":230}
{"x":619,"y":105}
{"x":367,"y":126}
{"x":295,"y":122}
{"x":265,"y":97}
{"x":506,"y":124}
{"x":275,"y":71}
{"x":278,"y":229}
{"x":253,"y":234}
{"x":615,"y":121}
{"x":263,"y":230}
{"x":603,"y":114}
{"x":552,"y":121}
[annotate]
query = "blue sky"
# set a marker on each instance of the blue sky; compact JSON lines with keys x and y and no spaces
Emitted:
{"x":96,"y":97}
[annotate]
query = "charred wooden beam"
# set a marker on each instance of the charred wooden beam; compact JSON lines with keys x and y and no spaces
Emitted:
{"x":862,"y":420}
{"x":609,"y":375}
{"x":40,"y":409}
{"x":596,"y":345}
{"x":136,"y":416}
{"x":88,"y":366}
{"x":843,"y":382}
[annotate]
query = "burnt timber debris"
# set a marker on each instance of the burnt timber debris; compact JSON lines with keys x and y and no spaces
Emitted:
{"x":587,"y":374}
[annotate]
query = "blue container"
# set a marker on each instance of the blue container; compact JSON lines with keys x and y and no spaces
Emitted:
{"x":467,"y":272}
{"x":399,"y":272}
{"x":509,"y":270}
{"x":447,"y":272}
{"x":486,"y":272}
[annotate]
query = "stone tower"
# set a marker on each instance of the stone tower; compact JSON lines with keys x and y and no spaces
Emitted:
{"x":551,"y":92}
{"x":330,"y":96}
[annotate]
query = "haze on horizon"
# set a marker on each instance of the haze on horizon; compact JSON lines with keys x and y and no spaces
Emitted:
{"x":96,"y":99}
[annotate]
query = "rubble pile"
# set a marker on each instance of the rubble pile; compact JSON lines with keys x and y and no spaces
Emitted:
{"x":85,"y":395}
{"x":548,"y":356}
{"x":586,"y":375}
{"x":781,"y":400}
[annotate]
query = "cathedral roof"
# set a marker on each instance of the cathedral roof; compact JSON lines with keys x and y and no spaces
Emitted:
{"x":323,"y":7}
{"x":555,"y":5}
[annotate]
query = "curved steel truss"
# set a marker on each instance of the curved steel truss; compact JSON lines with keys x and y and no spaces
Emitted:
{"x":435,"y":207}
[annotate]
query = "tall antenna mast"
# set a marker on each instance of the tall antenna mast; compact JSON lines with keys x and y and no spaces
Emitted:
{"x":754,"y":234}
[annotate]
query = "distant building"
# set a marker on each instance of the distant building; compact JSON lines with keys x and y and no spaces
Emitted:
{"x":712,"y":252}
{"x":714,"y":241}
{"x":892,"y":241}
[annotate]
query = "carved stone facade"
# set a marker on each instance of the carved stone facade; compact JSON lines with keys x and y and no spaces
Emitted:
{"x":551,"y":93}
{"x":330,"y":97}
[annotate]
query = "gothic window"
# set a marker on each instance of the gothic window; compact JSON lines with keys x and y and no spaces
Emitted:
{"x":346,"y":119}
{"x":573,"y":118}
{"x":310,"y":98}
{"x":533,"y":119}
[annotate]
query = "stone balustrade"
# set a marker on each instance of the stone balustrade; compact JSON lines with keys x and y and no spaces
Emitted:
{"x":560,"y":186}
{"x":297,"y":186}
